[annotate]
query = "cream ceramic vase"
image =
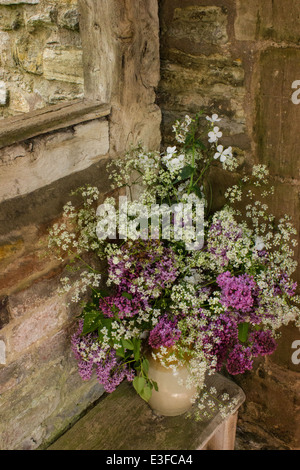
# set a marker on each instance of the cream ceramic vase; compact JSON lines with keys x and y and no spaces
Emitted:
{"x":173,"y":398}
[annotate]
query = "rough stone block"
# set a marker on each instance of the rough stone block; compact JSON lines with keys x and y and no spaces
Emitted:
{"x":4,"y":313}
{"x":192,"y":83}
{"x":37,"y":326}
{"x":25,"y":270}
{"x":267,"y":19}
{"x":246,"y":22}
{"x":272,"y":403}
{"x":63,"y":64}
{"x":277,"y":127}
{"x":40,"y":20}
{"x":201,"y":24}
{"x":208,"y":70}
{"x":70,"y":19}
{"x":10,"y":19}
{"x":45,"y":393}
{"x":28,"y":54}
{"x":52,"y":157}
{"x":13,"y":374}
{"x":9,"y":250}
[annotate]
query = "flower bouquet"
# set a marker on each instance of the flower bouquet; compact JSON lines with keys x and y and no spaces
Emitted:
{"x":183,"y":285}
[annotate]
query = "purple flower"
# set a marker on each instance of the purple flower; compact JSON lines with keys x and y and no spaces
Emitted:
{"x":165,"y":333}
{"x":285,"y":285}
{"x":218,"y":231}
{"x":238,"y":292}
{"x":239,"y":360}
{"x":262,"y":343}
{"x":121,"y":306}
{"x":144,"y":267}
{"x":140,"y":272}
{"x":91,"y":355}
{"x":219,"y":337}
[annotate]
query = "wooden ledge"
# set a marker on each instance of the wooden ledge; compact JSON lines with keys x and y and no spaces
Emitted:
{"x":25,"y":126}
{"x":123,"y":421}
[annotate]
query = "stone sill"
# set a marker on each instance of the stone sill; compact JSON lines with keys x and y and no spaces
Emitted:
{"x":25,"y":126}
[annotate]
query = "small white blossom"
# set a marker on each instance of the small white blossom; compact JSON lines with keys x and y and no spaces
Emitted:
{"x":259,"y":244}
{"x":223,"y":153}
{"x":213,"y":118}
{"x":214,"y":135}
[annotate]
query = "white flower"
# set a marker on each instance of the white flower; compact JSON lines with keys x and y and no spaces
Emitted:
{"x":259,"y":244}
{"x":214,"y":135}
{"x":171,"y":151}
{"x":174,"y":164}
{"x":214,"y":118}
{"x":223,"y":153}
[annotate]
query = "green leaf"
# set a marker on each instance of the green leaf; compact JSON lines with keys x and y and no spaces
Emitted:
{"x":139,"y":384}
{"x":106,"y":322}
{"x":155,"y":385}
{"x":137,"y":349}
{"x":243,"y":332}
{"x":200,"y":145}
{"x":197,"y":191}
{"x":146,"y":393}
{"x":186,"y":172}
{"x":103,"y":293}
{"x":127,"y":344}
{"x":127,"y":295}
{"x":91,"y":322}
{"x":145,"y":366}
{"x":120,"y":352}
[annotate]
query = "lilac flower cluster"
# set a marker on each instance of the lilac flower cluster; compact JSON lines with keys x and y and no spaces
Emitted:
{"x":165,"y":333}
{"x":239,"y":359}
{"x":230,"y":234}
{"x":238,"y":292}
{"x":221,"y":343}
{"x":140,"y":272}
{"x":262,"y":343}
{"x":89,"y":354}
{"x":121,"y":306}
{"x":285,"y":285}
{"x":218,"y":337}
{"x":143,"y":266}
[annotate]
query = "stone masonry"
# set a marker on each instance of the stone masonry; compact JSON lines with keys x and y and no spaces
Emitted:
{"x":240,"y":59}
{"x":41,"y":392}
{"x":40,"y":54}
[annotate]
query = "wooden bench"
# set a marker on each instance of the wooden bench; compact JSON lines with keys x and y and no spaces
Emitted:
{"x":123,"y":421}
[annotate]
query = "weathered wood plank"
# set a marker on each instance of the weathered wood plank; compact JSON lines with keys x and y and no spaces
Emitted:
{"x":99,"y":46}
{"x":51,"y":118}
{"x":123,"y":421}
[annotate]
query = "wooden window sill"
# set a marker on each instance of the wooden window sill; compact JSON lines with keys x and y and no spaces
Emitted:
{"x":25,"y":126}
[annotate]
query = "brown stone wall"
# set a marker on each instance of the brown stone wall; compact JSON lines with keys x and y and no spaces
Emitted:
{"x":240,"y":59}
{"x":40,"y":54}
{"x":41,"y":391}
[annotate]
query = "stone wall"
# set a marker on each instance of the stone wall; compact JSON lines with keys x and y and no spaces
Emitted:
{"x":240,"y":59}
{"x":40,"y":54}
{"x":41,"y":393}
{"x":233,"y":57}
